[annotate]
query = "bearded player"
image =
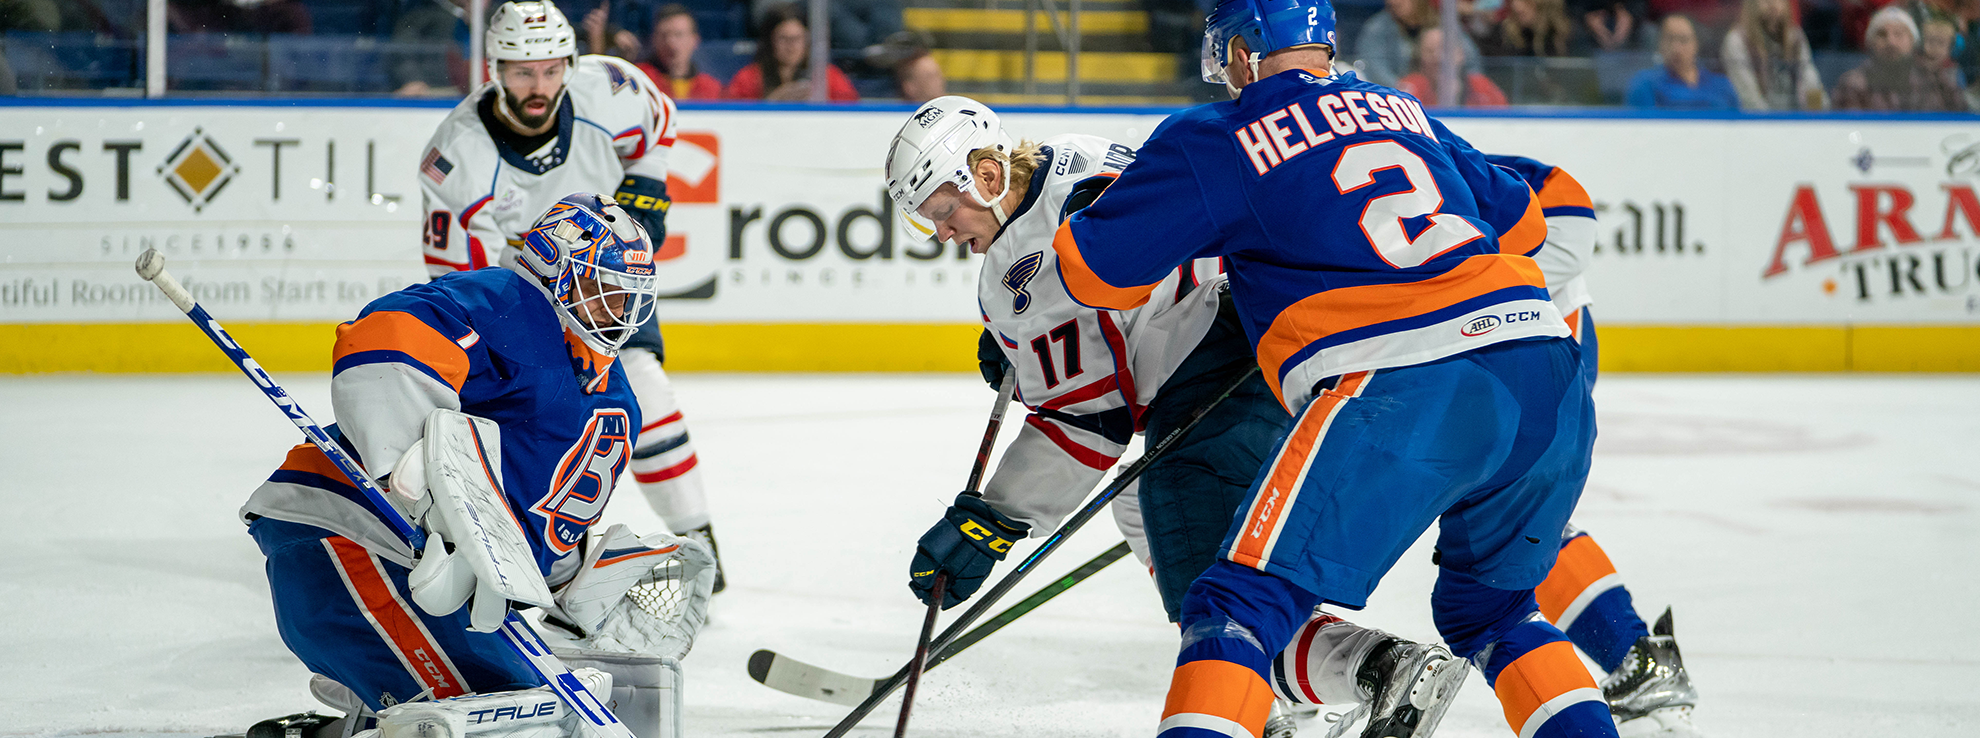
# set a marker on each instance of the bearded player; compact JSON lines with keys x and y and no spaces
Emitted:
{"x":549,"y":124}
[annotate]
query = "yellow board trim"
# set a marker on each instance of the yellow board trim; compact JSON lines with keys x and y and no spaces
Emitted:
{"x":979,"y":20}
{"x":987,"y":65}
{"x":918,"y":347}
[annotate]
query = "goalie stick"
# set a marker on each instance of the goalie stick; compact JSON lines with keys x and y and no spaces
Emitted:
{"x":1052,"y":543}
{"x":791,"y":676}
{"x":598,"y":719}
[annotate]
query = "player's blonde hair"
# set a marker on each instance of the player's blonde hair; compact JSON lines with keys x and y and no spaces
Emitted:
{"x":1025,"y":159}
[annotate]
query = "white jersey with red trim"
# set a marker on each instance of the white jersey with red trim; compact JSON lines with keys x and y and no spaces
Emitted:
{"x":481,"y":193}
{"x":1087,"y":375}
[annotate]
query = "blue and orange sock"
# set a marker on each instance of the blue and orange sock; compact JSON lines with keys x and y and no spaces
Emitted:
{"x":1586,"y":599}
{"x":1542,"y":685}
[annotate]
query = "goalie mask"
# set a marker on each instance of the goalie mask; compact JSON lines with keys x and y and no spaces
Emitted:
{"x":933,"y":147}
{"x":1266,"y":26}
{"x":597,"y":264}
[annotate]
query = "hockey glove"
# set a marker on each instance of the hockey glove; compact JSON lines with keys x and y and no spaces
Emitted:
{"x":990,"y":359}
{"x":970,"y":540}
{"x":646,"y":199}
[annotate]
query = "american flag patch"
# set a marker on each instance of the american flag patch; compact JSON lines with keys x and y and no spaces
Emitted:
{"x":435,"y":166}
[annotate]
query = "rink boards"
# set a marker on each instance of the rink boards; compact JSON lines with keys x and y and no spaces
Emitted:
{"x":1727,"y":244}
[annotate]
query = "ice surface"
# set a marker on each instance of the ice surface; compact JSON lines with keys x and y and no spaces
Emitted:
{"x":1819,"y":537}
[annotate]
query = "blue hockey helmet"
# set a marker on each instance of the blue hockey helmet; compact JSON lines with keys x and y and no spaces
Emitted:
{"x":1266,"y":26}
{"x":597,"y":263}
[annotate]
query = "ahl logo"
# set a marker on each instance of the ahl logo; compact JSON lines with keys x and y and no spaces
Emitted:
{"x":584,"y":479}
{"x":1020,"y":274}
{"x":1480,"y":326}
{"x":198,"y":169}
{"x":928,"y":116}
{"x":639,"y":256}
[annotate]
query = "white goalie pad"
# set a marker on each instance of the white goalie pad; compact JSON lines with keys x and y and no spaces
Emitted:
{"x":491,"y":559}
{"x":526,"y":713}
{"x":637,"y":595}
{"x":646,"y":690}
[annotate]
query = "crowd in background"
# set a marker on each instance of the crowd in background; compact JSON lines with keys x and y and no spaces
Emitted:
{"x":1753,"y":55}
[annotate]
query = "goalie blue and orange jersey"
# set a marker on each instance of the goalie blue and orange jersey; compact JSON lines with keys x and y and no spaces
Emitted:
{"x":1358,"y":232}
{"x":487,"y":343}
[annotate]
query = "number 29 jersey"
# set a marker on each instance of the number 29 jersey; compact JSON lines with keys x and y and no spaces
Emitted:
{"x":1358,"y":233}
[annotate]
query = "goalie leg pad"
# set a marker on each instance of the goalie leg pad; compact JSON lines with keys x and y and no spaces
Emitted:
{"x":348,"y":615}
{"x":526,"y":713}
{"x":646,"y":690}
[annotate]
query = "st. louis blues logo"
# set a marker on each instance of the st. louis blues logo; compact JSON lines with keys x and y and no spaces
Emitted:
{"x":1020,"y":275}
{"x":584,"y":478}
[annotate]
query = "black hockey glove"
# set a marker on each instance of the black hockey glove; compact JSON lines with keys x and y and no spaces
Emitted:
{"x":970,"y":540}
{"x":646,"y":199}
{"x":990,"y":360}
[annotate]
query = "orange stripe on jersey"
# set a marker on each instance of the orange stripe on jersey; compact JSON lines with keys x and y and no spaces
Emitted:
{"x":307,"y":458}
{"x":1085,"y":286}
{"x":1580,"y":564}
{"x":1562,"y":190}
{"x":1537,"y":677}
{"x":394,"y":622}
{"x":1525,"y":237}
{"x":391,"y":330}
{"x":1220,"y":689}
{"x":1283,"y":480}
{"x":1348,"y":308}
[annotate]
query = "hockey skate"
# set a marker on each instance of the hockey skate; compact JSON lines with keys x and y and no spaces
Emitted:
{"x":299,"y":725}
{"x":706,"y":535}
{"x":1650,"y":695}
{"x":1411,"y":684}
{"x":1283,"y":722}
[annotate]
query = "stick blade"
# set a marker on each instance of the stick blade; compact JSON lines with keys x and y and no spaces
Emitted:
{"x":791,"y":676}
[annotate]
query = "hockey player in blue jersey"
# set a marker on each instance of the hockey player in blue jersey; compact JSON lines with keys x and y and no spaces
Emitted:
{"x":532,"y":349}
{"x":1382,"y":269}
{"x":1094,"y":378}
{"x":1648,"y":689}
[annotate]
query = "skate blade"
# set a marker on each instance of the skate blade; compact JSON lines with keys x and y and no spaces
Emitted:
{"x":1435,"y":689}
{"x":1669,"y":722}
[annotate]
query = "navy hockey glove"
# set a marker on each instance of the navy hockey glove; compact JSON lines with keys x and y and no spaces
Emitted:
{"x":646,"y":199}
{"x":970,"y":540}
{"x":990,"y":360}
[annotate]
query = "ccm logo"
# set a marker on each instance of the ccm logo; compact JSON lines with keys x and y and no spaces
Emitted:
{"x":635,"y":256}
{"x":1480,"y":326}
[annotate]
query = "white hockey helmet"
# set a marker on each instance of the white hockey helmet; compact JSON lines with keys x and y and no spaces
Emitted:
{"x":528,"y":31}
{"x":933,"y":147}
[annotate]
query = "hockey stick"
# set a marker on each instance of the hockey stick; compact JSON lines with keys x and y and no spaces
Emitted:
{"x":791,"y":676}
{"x":941,"y":588}
{"x":1052,"y":543}
{"x":598,"y":719}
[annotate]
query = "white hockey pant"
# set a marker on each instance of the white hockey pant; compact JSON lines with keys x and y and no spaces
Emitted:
{"x":664,"y":462}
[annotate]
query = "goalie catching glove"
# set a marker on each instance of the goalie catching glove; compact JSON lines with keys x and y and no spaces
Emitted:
{"x":645,"y":595}
{"x":969,"y":541}
{"x":450,"y":484}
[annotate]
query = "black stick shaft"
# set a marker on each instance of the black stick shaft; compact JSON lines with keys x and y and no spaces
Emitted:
{"x":1052,"y":543}
{"x":919,"y":664}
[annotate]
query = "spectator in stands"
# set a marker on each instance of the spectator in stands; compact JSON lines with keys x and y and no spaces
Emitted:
{"x":919,"y":78}
{"x":1474,"y":88}
{"x":1531,"y":28}
{"x":1935,"y":48}
{"x":1767,"y":57}
{"x":675,"y":39}
{"x":604,"y":35}
{"x":1680,"y":82}
{"x":431,"y":58}
{"x":856,"y":24}
{"x":1716,"y":15}
{"x":237,"y":16}
{"x":781,"y":70}
{"x":1894,"y":77}
{"x":1387,"y":41}
{"x":1611,"y":23}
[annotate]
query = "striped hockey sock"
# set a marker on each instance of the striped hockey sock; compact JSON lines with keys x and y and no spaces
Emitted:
{"x":1542,"y":685}
{"x":1586,"y":599}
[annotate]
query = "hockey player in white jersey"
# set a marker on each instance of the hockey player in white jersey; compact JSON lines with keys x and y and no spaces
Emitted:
{"x":550,"y":123}
{"x":1093,"y":378}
